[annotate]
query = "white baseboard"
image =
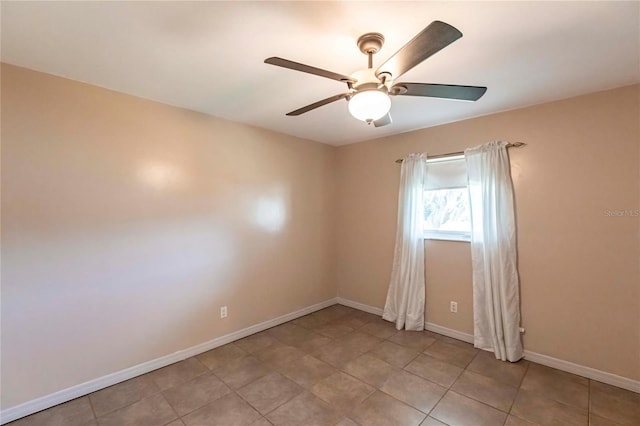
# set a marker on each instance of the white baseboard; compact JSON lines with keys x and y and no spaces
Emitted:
{"x":360,"y":306}
{"x":449,"y":332}
{"x":549,"y":361}
{"x":64,"y":395}
{"x":13,"y":413}
{"x":584,"y":371}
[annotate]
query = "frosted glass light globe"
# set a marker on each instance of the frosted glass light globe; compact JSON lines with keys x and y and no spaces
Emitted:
{"x":369,"y":105}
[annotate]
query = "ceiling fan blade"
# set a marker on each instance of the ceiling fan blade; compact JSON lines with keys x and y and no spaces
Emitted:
{"x":317,"y":104}
{"x":448,"y":91}
{"x":436,"y":36}
{"x":285,"y":63}
{"x":383,"y":121}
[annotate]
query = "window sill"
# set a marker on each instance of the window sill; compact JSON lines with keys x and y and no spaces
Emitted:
{"x":447,"y":236}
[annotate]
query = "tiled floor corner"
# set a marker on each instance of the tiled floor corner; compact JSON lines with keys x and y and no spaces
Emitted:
{"x":343,"y":367}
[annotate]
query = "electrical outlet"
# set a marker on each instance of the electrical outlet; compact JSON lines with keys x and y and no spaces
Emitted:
{"x":223,"y":312}
{"x":453,"y":307}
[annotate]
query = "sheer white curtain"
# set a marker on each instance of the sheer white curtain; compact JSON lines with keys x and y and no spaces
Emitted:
{"x":405,"y":299}
{"x":496,"y":294}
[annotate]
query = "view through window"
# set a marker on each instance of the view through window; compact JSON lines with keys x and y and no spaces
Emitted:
{"x":446,"y":201}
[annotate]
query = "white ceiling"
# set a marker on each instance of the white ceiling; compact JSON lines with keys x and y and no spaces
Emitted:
{"x":208,"y":56}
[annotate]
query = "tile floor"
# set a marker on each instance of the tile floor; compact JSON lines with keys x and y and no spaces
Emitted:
{"x":341,"y":366}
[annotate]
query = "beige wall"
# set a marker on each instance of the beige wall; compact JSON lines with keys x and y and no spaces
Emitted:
{"x":579,"y":268}
{"x":127,"y":224}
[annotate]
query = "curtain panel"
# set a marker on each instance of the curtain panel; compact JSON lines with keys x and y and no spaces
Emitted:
{"x":405,"y":298}
{"x":496,"y":293}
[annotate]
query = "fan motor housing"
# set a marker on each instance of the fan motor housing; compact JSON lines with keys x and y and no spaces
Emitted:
{"x":367,"y":79}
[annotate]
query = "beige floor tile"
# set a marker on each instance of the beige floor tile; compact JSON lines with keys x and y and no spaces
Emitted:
{"x":551,"y":383}
{"x":380,"y":328}
{"x":342,"y":391}
{"x":243,"y":371}
{"x":345,"y":421}
{"x":279,"y":355}
{"x":370,"y":369}
{"x":151,"y":411}
{"x":557,"y":374}
{"x":510,"y":373}
{"x":621,"y":406}
{"x":305,"y":409}
{"x":178,"y":373}
{"x":269,"y":392}
{"x":255,"y":342}
{"x":310,"y":341}
{"x":307,"y":371}
{"x":595,"y":420}
{"x":311,"y":321}
{"x":336,"y":311}
{"x":419,"y":340}
{"x":334,"y":329}
{"x":382,"y":410}
{"x":394,"y":354}
{"x":358,"y":342}
{"x":196,"y":393}
{"x":23,"y":421}
{"x":430,"y":421}
{"x":261,"y":422}
{"x":456,"y":354}
{"x":413,"y":390}
{"x":545,"y":411}
{"x":456,"y":409}
{"x":229,"y":410}
{"x":76,"y":412}
{"x":432,"y":369}
{"x":388,"y":382}
{"x":358,"y":319}
{"x":218,"y":357}
{"x":337,"y":355}
{"x":288,"y":332}
{"x":515,"y":421}
{"x":452,"y":341}
{"x":485,"y":389}
{"x":122,"y":394}
{"x":367,"y":316}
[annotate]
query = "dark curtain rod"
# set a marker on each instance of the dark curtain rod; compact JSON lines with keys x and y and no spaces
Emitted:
{"x":453,"y":154}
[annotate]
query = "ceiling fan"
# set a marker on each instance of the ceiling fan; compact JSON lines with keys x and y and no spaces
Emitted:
{"x":369,"y":89}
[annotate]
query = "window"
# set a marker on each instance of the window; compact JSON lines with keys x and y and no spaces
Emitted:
{"x":446,"y":200}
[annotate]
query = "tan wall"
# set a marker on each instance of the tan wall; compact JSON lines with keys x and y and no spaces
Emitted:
{"x":580,"y":271}
{"x":127,"y":224}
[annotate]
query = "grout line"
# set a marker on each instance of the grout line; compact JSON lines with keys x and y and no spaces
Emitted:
{"x":589,"y":402}
{"x":93,"y":410}
{"x":436,"y":404}
{"x":340,"y":369}
{"x":519,"y":387}
{"x":172,"y":409}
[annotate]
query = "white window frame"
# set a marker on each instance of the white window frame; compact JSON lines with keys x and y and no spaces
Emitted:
{"x":447,"y":235}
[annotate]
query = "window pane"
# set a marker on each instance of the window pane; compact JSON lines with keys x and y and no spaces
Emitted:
{"x":447,"y":210}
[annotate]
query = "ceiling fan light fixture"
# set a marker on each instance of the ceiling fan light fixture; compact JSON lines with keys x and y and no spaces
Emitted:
{"x":369,"y":105}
